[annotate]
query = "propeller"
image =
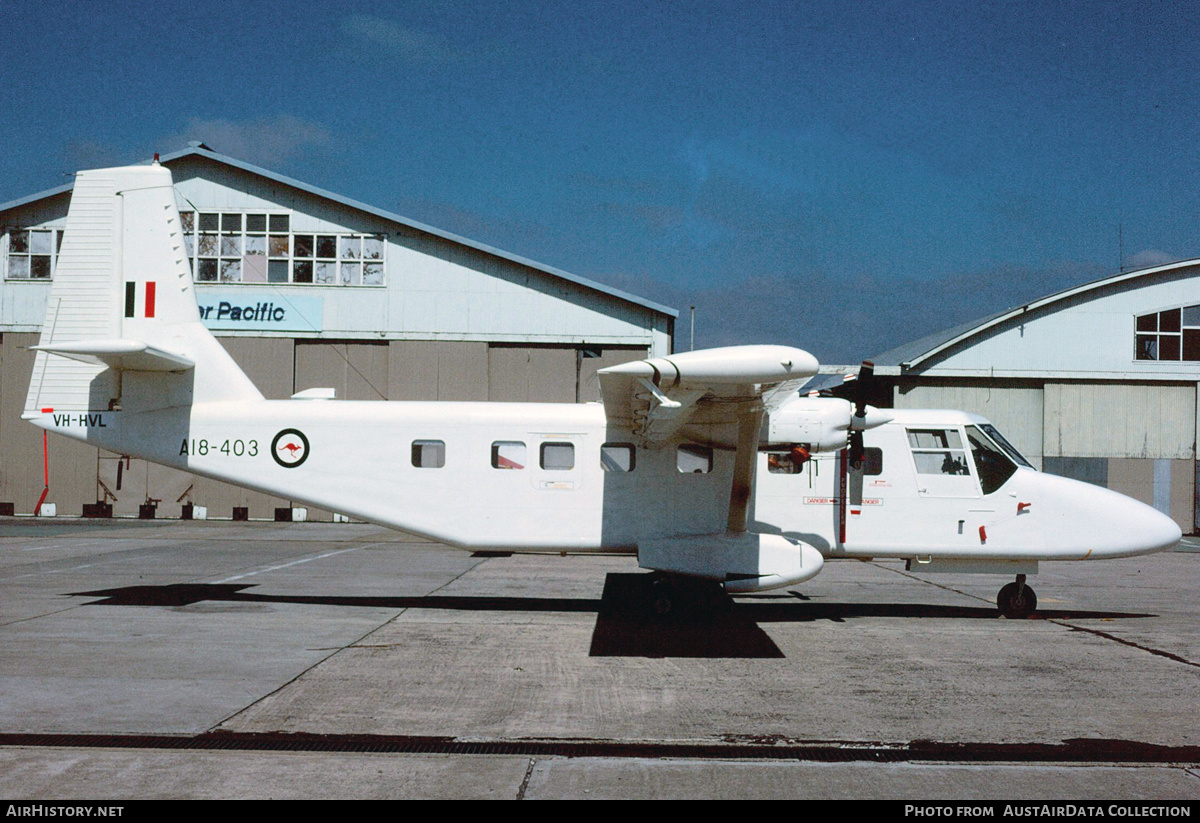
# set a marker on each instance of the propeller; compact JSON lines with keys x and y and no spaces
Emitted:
{"x":858,"y":421}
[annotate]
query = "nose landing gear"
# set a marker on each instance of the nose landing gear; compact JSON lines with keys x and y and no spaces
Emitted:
{"x":1016,"y":600}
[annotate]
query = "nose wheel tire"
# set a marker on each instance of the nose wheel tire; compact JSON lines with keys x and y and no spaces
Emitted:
{"x":1016,"y":600}
{"x":663,"y":597}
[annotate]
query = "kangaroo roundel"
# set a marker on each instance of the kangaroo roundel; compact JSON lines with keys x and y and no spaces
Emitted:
{"x":290,"y":448}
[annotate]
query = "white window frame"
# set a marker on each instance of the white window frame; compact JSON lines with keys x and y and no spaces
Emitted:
{"x":7,"y":255}
{"x":350,"y":256}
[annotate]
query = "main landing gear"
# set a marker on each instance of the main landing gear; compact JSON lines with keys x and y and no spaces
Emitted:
{"x":673,"y":596}
{"x":1017,"y":600}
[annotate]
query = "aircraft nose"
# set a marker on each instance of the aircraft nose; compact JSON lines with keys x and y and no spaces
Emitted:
{"x":1142,"y":529}
{"x":1104,"y":523}
{"x":1163,"y":534}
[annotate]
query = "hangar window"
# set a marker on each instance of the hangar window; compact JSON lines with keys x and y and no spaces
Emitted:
{"x":31,"y":254}
{"x":618,"y":457}
{"x":237,"y":247}
{"x":508,"y":454}
{"x":1171,"y":334}
{"x":429,"y":454}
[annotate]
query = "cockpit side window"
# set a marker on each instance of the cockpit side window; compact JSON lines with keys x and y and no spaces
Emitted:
{"x":938,"y":451}
{"x":992,"y":463}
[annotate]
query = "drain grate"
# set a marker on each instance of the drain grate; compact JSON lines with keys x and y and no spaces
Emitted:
{"x":1070,"y":751}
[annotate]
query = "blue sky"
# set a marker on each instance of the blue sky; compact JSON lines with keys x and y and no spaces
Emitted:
{"x":839,"y":176}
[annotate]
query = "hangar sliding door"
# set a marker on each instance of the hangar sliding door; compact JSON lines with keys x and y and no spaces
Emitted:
{"x":1135,"y":438}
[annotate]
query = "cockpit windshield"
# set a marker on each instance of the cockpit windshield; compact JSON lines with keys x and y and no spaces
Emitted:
{"x":993,"y":463}
{"x":997,"y":438}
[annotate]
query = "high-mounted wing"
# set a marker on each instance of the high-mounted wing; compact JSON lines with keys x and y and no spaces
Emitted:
{"x":726,"y":389}
{"x":658,"y":397}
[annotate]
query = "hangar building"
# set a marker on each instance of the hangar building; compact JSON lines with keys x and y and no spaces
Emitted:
{"x":309,"y":289}
{"x":1098,"y":382}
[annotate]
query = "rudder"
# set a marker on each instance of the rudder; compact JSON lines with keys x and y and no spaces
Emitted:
{"x":123,"y":302}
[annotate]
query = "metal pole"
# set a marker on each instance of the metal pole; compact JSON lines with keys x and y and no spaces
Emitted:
{"x":46,"y":463}
{"x":692,"y":343}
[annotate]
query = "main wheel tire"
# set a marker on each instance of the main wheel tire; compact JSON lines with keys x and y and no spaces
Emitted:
{"x":663,"y":597}
{"x":1016,"y":601}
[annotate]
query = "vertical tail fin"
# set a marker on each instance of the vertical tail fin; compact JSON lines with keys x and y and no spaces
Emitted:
{"x":123,"y":302}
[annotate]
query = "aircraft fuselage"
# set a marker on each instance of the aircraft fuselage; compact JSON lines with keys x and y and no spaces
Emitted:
{"x":560,"y":477}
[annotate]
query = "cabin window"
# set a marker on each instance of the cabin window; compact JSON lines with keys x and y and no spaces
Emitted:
{"x":558,"y":456}
{"x":784,"y":463}
{"x":508,"y":454}
{"x":872,"y":461}
{"x":618,"y":457}
{"x":992,"y":464}
{"x":429,"y":454}
{"x":938,"y":451}
{"x":693,"y":459}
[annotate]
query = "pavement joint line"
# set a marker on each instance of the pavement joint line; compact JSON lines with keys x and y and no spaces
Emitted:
{"x":333,"y":652}
{"x":40,"y":616}
{"x":1073,"y":627}
{"x":941,"y":586}
{"x":525,"y":781}
{"x":1078,"y":752}
{"x":1130,"y":643}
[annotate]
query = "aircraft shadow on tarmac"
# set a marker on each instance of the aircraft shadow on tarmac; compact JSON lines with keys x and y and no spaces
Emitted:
{"x":625,"y":625}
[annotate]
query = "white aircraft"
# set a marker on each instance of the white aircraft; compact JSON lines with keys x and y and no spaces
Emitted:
{"x":708,"y":465}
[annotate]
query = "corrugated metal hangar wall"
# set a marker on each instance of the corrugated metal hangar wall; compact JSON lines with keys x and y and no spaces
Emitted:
{"x":1098,"y":383}
{"x":373,"y":305}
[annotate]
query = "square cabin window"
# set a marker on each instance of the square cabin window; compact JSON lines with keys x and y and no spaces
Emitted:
{"x":782,"y":463}
{"x":618,"y":457}
{"x":429,"y":454}
{"x":508,"y":454}
{"x":872,"y":461}
{"x":558,"y":456}
{"x":693,"y":459}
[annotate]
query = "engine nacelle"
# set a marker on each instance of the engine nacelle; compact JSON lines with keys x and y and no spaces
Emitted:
{"x":743,"y":562}
{"x":821,"y":423}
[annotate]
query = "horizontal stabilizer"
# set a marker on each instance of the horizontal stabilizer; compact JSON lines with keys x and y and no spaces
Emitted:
{"x":125,"y":355}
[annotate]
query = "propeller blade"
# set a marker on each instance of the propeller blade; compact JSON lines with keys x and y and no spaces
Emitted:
{"x":866,"y":373}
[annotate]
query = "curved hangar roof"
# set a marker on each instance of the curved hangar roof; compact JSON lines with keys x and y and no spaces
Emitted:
{"x":1139,"y":325}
